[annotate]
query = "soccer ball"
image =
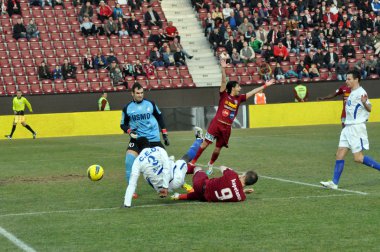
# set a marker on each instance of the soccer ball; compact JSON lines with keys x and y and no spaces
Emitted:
{"x":95,"y":172}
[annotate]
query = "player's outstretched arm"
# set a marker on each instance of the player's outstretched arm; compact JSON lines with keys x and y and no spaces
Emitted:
{"x":223,"y":84}
{"x":256,"y":90}
{"x":327,"y":97}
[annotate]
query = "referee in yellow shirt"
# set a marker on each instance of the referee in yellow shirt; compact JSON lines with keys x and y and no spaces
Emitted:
{"x":19,"y":103}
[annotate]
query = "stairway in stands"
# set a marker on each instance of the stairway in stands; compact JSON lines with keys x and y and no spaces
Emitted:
{"x":203,"y":67}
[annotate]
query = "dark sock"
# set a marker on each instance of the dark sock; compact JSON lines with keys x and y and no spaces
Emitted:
{"x":214,"y":157}
{"x":29,"y":128}
{"x":13,"y":130}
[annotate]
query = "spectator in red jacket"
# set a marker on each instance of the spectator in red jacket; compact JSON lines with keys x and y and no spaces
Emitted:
{"x":280,"y":52}
{"x":148,"y":68}
{"x":345,"y":23}
{"x":280,"y":12}
{"x":330,"y":17}
{"x":171,"y":32}
{"x":104,"y":11}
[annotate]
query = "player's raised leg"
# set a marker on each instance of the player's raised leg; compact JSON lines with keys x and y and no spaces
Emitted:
{"x":366,"y":160}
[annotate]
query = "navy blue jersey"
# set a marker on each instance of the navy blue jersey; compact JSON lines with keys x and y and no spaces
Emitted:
{"x":144,"y":118}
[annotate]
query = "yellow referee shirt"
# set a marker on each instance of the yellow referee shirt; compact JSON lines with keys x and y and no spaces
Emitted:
{"x":19,"y":104}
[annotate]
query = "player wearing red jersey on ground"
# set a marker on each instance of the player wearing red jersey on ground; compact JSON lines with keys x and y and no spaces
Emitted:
{"x":227,"y":188}
{"x":220,"y":127}
{"x":343,"y":90}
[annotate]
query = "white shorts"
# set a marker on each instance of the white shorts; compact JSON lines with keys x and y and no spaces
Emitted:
{"x":178,"y":175}
{"x":354,"y":137}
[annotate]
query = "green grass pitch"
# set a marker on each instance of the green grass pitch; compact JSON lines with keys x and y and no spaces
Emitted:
{"x":47,"y":201}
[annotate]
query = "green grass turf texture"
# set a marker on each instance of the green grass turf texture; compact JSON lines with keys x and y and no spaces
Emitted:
{"x":46,"y":177}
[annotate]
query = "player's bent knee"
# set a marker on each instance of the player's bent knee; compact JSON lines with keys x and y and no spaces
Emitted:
{"x":358,"y":157}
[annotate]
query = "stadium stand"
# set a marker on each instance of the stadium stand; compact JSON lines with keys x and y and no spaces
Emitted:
{"x":60,"y":37}
{"x":345,"y":22}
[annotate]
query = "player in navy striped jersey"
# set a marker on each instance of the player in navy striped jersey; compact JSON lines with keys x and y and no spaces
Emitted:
{"x":354,"y":134}
{"x":141,"y":118}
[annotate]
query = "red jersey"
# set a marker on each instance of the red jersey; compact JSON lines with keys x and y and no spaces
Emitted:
{"x":171,"y":31}
{"x":345,"y":91}
{"x":228,"y":107}
{"x":226,"y":188}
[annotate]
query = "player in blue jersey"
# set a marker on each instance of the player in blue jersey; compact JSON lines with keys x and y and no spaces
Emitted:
{"x":354,"y":134}
{"x":141,"y":118}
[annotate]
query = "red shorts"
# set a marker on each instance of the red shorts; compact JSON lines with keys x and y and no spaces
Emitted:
{"x":199,"y":183}
{"x":219,"y":131}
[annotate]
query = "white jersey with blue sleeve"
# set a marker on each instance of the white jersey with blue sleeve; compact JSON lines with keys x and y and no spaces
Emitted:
{"x":144,"y":118}
{"x":356,"y":113}
{"x":155,"y":166}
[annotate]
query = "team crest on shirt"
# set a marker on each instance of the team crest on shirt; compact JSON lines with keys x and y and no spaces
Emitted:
{"x":148,"y":109}
{"x":225,"y":112}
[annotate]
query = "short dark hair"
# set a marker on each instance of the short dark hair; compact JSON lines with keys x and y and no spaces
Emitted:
{"x":230,"y":85}
{"x":142,"y":143}
{"x":136,"y":85}
{"x":355,"y":74}
{"x":250,"y":178}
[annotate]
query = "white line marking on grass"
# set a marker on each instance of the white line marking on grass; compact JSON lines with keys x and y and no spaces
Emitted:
{"x":294,"y":181}
{"x":309,"y":197}
{"x":313,"y":185}
{"x":16,"y":241}
{"x":164,"y":205}
{"x":99,"y":209}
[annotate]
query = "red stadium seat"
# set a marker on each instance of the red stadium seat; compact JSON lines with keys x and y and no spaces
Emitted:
{"x":188,"y":81}
{"x":153,"y":83}
{"x":245,"y":79}
{"x":172,"y":71}
{"x":177,"y":82}
{"x":239,"y":69}
{"x":14,"y":55}
{"x":83,"y":87}
{"x":95,"y":86}
{"x":161,"y":72}
{"x":11,"y":90}
{"x":6,"y":72}
{"x":60,"y":88}
{"x":30,"y":71}
{"x":35,"y":89}
{"x":33,"y":80}
{"x":2,"y":90}
{"x":47,"y":89}
{"x":21,"y":80}
{"x":24,"y":89}
{"x":166,"y":83}
{"x":71,"y":87}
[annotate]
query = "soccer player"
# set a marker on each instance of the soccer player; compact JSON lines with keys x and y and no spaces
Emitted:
{"x":220,"y":126}
{"x":141,"y":118}
{"x":343,"y":90}
{"x":19,"y":103}
{"x":354,"y":134}
{"x":227,"y":188}
{"x":161,"y":172}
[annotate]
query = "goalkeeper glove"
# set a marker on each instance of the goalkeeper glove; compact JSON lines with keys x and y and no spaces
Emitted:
{"x":175,"y":196}
{"x":165,"y":137}
{"x":132,"y":133}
